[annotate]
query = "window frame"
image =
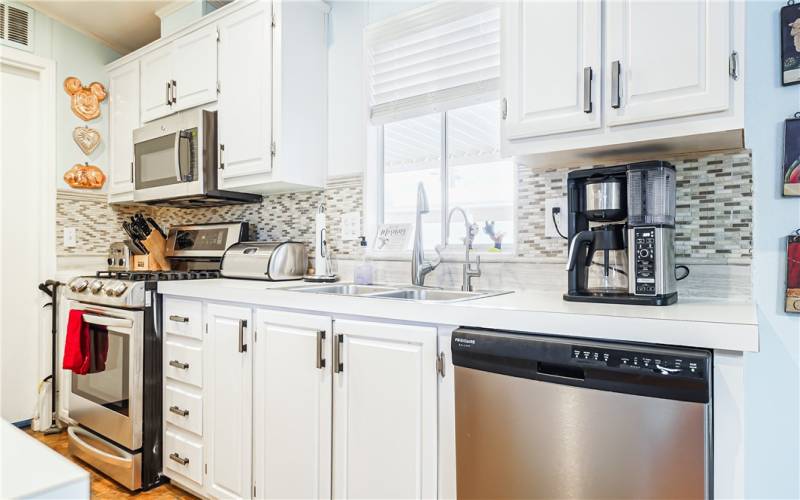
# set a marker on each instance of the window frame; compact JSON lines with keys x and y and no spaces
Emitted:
{"x":375,"y":201}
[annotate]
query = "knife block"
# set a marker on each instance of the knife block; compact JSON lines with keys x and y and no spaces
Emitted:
{"x":156,"y":247}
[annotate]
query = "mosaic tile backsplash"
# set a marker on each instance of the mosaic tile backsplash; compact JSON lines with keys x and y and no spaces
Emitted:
{"x":714,"y":213}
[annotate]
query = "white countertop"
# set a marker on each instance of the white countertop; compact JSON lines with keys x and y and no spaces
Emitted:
{"x":706,"y":323}
{"x":28,"y":468}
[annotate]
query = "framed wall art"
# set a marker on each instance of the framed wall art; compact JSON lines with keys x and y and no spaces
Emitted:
{"x":790,"y":43}
{"x":793,"y":272}
{"x":791,"y":156}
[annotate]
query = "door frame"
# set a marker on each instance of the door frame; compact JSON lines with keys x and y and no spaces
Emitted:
{"x":46,"y":69}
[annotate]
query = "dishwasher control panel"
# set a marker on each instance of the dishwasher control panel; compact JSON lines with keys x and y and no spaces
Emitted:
{"x":660,"y":364}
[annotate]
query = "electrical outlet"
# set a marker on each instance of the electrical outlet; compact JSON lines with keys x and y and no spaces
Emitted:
{"x":549,"y":228}
{"x":351,"y":226}
{"x":70,"y":237}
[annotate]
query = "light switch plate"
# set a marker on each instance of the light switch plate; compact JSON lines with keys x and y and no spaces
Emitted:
{"x":70,"y":237}
{"x":549,"y":228}
{"x":351,"y":226}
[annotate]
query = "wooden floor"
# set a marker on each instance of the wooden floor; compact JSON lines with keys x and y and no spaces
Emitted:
{"x":102,"y":486}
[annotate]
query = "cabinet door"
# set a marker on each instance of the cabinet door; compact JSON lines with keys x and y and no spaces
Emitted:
{"x":124,"y":118}
{"x":551,"y":67}
{"x":156,"y":68}
{"x":384,"y":395}
{"x":245,"y":99}
{"x":672,"y":59}
{"x":292,"y":405}
{"x":227,"y":370}
{"x":195,"y":74}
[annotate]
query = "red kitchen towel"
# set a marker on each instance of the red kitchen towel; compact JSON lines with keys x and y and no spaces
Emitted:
{"x":77,"y":344}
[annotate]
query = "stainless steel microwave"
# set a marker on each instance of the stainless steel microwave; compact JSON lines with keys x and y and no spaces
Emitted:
{"x":175,"y":162}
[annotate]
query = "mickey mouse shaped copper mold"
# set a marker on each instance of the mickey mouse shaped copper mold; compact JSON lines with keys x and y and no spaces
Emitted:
{"x":85,"y":100}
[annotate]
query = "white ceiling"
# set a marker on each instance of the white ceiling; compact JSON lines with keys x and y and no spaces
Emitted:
{"x":123,"y":25}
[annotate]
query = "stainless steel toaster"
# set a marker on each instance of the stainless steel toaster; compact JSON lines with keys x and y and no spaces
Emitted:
{"x":265,"y":260}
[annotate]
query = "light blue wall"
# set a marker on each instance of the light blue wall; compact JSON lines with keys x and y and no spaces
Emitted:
{"x":75,"y":54}
{"x":772,"y":377}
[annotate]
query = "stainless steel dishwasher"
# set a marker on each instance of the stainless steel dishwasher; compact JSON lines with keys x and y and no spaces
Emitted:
{"x":545,"y":417}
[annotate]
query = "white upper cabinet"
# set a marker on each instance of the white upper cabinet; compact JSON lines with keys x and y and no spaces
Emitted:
{"x":552,"y":66}
{"x":195,"y":68}
{"x":385,"y":411}
{"x":180,"y":75}
{"x":124,"y":118}
{"x":292,"y":405}
{"x":672,"y":59}
{"x":227,"y":390}
{"x":156,"y":78}
{"x":245,"y":104}
{"x":582,"y":75}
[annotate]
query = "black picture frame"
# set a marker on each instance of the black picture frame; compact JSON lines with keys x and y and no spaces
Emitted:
{"x":791,"y":157}
{"x":790,"y":44}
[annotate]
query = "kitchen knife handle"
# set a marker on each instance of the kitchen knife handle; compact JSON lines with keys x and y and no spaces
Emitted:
{"x":587,"y":89}
{"x":242,"y":326}
{"x":616,"y":99}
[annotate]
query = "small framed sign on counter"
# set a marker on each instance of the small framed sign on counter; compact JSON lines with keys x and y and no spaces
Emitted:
{"x":392,"y":238}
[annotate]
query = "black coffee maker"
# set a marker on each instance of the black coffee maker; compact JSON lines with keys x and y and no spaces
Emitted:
{"x":621,"y":234}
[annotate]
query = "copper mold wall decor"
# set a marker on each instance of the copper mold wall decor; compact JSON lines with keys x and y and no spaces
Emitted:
{"x":85,"y":177}
{"x":86,"y":138}
{"x":85,"y":100}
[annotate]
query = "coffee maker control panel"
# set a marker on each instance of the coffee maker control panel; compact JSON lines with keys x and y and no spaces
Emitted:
{"x":645,"y":258}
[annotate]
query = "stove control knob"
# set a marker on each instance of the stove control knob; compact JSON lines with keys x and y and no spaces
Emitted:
{"x":96,"y":286}
{"x":78,"y":284}
{"x":119,"y":289}
{"x":109,"y":289}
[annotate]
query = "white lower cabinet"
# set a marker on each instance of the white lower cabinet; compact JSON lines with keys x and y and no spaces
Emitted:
{"x":385,"y":411}
{"x":227,"y":390}
{"x":292,"y":405}
{"x":297,"y":405}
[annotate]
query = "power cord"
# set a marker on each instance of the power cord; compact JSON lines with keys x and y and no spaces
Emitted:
{"x":685,"y":268}
{"x":554,"y":212}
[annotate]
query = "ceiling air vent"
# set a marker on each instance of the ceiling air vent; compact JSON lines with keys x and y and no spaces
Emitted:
{"x":16,"y":25}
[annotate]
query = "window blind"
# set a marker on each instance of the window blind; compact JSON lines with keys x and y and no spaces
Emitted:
{"x":432,"y":59}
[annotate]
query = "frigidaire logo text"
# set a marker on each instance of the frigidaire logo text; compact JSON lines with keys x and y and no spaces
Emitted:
{"x":464,"y":341}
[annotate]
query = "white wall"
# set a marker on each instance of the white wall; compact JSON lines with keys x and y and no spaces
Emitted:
{"x":77,"y":55}
{"x":347,"y":100}
{"x":772,"y":376}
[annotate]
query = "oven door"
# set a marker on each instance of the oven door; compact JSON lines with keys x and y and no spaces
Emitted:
{"x":108,"y":399}
{"x":166,"y":158}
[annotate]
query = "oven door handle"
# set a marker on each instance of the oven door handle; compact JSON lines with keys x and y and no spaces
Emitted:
{"x":107,"y":321}
{"x":102,"y":455}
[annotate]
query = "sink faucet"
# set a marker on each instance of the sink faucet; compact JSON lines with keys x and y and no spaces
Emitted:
{"x":471,"y":229}
{"x":419,"y":266}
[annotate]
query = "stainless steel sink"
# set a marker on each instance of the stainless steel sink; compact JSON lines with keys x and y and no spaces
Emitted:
{"x":418,"y":294}
{"x":425,"y":294}
{"x":344,"y":289}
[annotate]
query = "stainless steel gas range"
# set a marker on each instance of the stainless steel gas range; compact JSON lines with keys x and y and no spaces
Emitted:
{"x":118,"y":408}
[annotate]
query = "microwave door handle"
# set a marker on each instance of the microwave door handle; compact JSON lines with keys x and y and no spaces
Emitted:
{"x":178,"y":156}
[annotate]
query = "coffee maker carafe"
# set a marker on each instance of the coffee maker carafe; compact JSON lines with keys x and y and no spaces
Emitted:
{"x":621,"y":234}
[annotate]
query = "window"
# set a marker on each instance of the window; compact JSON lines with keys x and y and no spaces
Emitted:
{"x":433,"y":78}
{"x":473,"y":177}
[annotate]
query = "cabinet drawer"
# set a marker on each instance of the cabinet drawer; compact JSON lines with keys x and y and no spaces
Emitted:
{"x":184,"y":408}
{"x":183,"y":455}
{"x":183,"y":362}
{"x":183,"y":317}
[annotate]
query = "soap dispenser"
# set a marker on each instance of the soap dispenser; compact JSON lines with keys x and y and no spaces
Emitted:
{"x":363,"y":273}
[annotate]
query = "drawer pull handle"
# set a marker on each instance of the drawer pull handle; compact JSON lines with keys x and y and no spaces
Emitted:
{"x":177,"y":458}
{"x":178,"y":319}
{"x":320,"y":340}
{"x":178,"y":411}
{"x":179,"y":365}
